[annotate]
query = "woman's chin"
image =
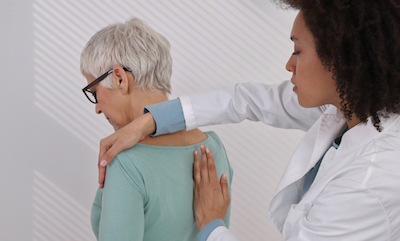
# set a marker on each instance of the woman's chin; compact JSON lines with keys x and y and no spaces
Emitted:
{"x":117,"y":127}
{"x":120,"y":125}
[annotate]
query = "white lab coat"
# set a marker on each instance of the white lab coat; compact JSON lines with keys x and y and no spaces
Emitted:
{"x":356,"y":193}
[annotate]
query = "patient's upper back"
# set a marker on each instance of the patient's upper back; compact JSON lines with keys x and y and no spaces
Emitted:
{"x":157,"y":181}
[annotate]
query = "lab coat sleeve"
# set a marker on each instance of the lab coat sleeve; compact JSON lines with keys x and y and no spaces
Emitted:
{"x":345,"y":210}
{"x":275,"y":105}
{"x":222,"y":234}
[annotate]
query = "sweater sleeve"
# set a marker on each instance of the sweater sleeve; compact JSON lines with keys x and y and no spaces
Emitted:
{"x":122,"y":208}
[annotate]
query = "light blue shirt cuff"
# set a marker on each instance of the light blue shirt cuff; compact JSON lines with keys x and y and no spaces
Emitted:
{"x":168,"y":116}
{"x":207,"y":230}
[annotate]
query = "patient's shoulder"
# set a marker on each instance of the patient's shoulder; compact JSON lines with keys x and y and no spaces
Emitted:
{"x":180,"y":138}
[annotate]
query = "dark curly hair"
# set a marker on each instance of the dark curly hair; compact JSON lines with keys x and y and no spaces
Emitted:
{"x":359,"y":41}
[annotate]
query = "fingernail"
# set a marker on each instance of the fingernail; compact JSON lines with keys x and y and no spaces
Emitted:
{"x":103,"y":163}
{"x":196,"y":152}
{"x":208,"y":150}
{"x":202,"y":146}
{"x":224,"y":176}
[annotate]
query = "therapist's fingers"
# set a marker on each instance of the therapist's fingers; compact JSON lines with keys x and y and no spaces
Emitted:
{"x":210,"y":197}
{"x":196,"y":168}
{"x":204,"y":164}
{"x":225,"y":188}
{"x":212,"y":170}
{"x":122,"y":139}
{"x":210,"y":201}
{"x":102,"y":175}
{"x":102,"y":163}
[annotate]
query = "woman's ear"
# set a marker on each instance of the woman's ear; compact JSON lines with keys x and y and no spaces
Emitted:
{"x":121,"y":80}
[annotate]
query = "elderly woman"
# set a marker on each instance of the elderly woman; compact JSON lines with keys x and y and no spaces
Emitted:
{"x":343,"y":180}
{"x":148,"y":193}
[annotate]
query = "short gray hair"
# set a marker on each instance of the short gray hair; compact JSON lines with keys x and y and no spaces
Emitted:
{"x":135,"y":45}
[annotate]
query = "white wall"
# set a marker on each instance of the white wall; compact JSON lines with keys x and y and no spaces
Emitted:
{"x":49,"y":132}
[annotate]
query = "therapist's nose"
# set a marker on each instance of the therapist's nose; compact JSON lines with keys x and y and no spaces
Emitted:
{"x":291,"y":64}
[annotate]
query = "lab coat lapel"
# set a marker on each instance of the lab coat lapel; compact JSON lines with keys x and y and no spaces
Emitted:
{"x":313,"y":145}
{"x":311,"y":148}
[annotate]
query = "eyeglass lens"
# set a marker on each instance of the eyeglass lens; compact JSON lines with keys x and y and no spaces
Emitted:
{"x":92,"y":96}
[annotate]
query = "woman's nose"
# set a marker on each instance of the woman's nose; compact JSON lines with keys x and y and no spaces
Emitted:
{"x":290,"y":65}
{"x":97,"y":109}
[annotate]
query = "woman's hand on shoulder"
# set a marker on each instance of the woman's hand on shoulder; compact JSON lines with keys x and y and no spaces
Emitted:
{"x":122,"y":139}
{"x":211,"y":196}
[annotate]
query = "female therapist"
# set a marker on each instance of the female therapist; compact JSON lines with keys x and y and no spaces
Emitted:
{"x":343,"y":181}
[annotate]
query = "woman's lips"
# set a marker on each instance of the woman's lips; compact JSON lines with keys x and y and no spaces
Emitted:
{"x":294,"y":87}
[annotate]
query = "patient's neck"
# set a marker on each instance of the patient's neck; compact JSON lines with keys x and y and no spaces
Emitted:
{"x":142,"y":98}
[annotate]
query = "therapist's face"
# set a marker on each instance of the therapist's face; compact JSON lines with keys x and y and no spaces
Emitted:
{"x":314,"y":84}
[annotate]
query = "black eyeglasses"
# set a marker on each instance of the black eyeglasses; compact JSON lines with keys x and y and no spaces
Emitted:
{"x":92,"y":95}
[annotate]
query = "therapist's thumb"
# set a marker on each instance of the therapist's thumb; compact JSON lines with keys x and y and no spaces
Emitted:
{"x":225,"y":188}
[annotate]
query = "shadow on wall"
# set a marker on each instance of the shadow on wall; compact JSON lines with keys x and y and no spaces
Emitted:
{"x":56,"y":215}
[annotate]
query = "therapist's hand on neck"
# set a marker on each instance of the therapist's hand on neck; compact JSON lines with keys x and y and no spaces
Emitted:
{"x":211,"y":197}
{"x":122,"y":139}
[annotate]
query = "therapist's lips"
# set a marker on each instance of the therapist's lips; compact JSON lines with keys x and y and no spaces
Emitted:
{"x":294,"y":87}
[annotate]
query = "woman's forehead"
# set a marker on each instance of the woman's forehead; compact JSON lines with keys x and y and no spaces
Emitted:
{"x":300,"y":33}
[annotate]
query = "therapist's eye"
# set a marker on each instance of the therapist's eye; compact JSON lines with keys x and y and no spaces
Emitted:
{"x":296,"y":53}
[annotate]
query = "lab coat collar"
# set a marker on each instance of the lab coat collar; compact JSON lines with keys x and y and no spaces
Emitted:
{"x":332,"y":122}
{"x":364,"y":132}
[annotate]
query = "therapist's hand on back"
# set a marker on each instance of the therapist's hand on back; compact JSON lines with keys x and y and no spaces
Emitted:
{"x":211,"y":197}
{"x":122,"y":139}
